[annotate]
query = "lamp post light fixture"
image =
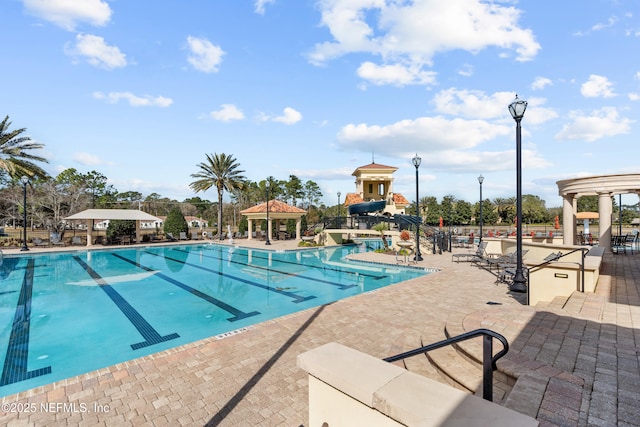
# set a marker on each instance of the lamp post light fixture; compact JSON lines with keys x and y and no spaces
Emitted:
{"x":267,"y":241}
{"x":517,"y":109}
{"x":418,"y":257}
{"x":339,"y":212}
{"x":24,"y":180}
{"x":480,"y":181}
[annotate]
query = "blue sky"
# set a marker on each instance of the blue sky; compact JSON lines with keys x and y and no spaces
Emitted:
{"x":141,"y":90}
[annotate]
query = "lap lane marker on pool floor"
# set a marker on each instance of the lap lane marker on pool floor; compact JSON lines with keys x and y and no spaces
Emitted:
{"x":238,"y":314}
{"x":296,"y":298}
{"x":323,"y":267}
{"x":286,"y":273}
{"x":150,"y":335}
{"x":17,"y":358}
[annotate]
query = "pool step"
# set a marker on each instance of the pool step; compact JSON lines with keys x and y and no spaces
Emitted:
{"x":418,"y":364}
{"x":461,"y":363}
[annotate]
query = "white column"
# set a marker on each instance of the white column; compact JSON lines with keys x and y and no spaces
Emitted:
{"x":298,"y":228}
{"x":138,"y":235}
{"x":250,"y":231}
{"x":569,"y":219}
{"x":89,"y":232}
{"x":605,"y":208}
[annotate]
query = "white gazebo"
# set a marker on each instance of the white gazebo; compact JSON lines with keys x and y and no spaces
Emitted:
{"x":90,"y":215}
{"x":603,"y":186}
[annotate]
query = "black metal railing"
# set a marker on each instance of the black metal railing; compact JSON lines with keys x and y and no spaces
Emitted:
{"x":488,"y":359}
{"x":583,"y":254}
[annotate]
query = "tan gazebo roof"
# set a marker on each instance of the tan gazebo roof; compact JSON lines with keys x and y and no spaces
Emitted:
{"x":587,"y":215}
{"x":275,"y":206}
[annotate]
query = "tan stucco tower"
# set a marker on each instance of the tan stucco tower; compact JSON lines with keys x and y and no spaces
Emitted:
{"x":375,"y":182}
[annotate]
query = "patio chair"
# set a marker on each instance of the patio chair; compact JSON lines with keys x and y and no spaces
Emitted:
{"x":76,"y":241}
{"x":628,"y":243}
{"x":479,"y":254}
{"x":183,"y":235}
{"x":194,"y":235}
{"x":55,"y":240}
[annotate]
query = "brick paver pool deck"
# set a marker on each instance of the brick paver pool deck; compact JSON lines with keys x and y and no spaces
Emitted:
{"x":251,"y":378}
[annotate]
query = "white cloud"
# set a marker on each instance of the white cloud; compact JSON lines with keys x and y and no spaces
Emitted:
{"x":87,"y":159}
{"x":448,"y":144}
{"x":599,"y":124}
{"x":97,"y":52}
{"x":227,"y":112}
{"x":396,"y":74}
{"x":408,"y":136}
{"x":540,"y":83}
{"x":634,"y":96}
{"x":476,"y":104}
{"x":412,"y":33}
{"x":134,"y":100}
{"x":472,"y":103}
{"x":610,"y":23}
{"x":69,"y":13}
{"x":204,"y":55}
{"x":466,"y":70}
{"x":289,"y":116}
{"x":260,"y":5}
{"x":597,"y":87}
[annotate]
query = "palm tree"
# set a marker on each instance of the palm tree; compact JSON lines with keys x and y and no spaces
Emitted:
{"x":15,"y":159}
{"x":220,"y":171}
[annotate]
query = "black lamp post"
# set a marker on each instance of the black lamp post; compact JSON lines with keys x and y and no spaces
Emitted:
{"x":418,"y":257}
{"x":480,"y":180}
{"x":517,"y":109}
{"x":24,"y":180}
{"x":620,"y":215}
{"x":339,"y":212}
{"x":267,"y":241}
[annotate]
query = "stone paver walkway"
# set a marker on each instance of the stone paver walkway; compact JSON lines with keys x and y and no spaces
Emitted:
{"x":251,"y":378}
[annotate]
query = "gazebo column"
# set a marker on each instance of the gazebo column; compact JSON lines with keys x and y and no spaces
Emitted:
{"x":569,"y":219}
{"x":269,"y":233}
{"x":298,"y":228}
{"x":605,"y":208}
{"x":250,"y":232}
{"x":138,"y":239}
{"x":89,"y":232}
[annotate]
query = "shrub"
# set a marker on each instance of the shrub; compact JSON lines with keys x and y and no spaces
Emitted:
{"x":175,"y":223}
{"x":120,"y":227}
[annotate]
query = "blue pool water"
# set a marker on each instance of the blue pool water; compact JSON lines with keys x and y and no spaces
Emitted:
{"x":64,"y":314}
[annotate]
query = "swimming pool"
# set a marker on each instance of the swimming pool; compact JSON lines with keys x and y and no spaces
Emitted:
{"x":64,"y":314}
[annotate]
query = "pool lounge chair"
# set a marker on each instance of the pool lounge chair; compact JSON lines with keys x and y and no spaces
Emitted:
{"x":170,"y":237}
{"x":76,"y":241}
{"x":478,"y":255}
{"x":505,"y":261}
{"x":183,"y":235}
{"x":39,"y":242}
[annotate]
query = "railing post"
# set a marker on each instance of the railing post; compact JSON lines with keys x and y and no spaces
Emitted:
{"x":487,"y":368}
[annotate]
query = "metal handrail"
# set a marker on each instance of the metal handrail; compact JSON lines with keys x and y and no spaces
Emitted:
{"x":488,"y":360}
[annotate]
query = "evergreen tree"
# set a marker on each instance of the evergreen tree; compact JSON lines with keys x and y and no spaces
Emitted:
{"x":175,"y":223}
